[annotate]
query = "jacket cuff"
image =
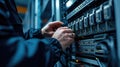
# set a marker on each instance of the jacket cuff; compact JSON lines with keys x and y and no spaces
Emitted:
{"x":38,"y":34}
{"x":34,"y":33}
{"x":56,"y":48}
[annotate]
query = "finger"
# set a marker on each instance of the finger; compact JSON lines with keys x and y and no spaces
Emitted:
{"x":64,"y":28}
{"x":72,"y":35}
{"x":61,"y":28}
{"x":48,"y":34}
{"x":67,"y":31}
{"x":70,"y":39}
{"x":56,"y":24}
{"x":51,"y":33}
{"x":67,"y":36}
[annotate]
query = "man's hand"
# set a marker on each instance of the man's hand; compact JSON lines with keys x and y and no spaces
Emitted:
{"x":65,"y":36}
{"x":49,"y":29}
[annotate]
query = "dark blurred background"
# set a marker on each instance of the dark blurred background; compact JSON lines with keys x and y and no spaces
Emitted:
{"x":22,"y":7}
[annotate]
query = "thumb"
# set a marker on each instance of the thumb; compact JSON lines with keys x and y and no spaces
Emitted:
{"x":51,"y":33}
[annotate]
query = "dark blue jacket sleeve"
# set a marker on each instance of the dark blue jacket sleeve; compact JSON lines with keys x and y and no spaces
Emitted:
{"x":34,"y":33}
{"x":16,"y":51}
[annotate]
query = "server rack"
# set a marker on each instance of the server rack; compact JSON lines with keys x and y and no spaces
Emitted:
{"x":96,"y":25}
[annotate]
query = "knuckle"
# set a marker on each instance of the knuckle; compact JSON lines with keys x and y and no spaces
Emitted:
{"x":71,"y":39}
{"x":73,"y":34}
{"x":50,"y":23}
{"x":62,"y":30}
{"x":66,"y":34}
